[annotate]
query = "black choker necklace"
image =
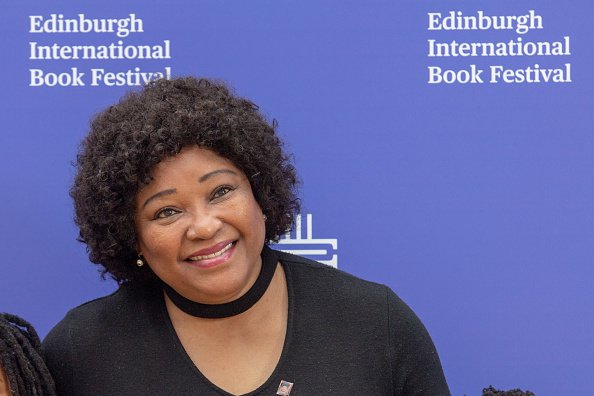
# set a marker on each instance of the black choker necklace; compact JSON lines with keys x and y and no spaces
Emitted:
{"x":232,"y":308}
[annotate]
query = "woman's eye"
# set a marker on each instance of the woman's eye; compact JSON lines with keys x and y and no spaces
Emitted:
{"x":221,"y":191}
{"x":164,"y":213}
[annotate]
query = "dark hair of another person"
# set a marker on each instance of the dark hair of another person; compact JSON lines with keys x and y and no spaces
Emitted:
{"x":129,"y":139}
{"x":21,"y":359}
{"x":491,"y":391}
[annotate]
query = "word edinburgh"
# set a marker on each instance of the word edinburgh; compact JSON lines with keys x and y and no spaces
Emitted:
{"x":458,"y":21}
{"x":56,"y":23}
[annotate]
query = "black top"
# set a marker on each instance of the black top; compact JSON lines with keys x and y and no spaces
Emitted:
{"x":344,"y":336}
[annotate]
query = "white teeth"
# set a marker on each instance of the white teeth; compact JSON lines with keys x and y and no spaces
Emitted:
{"x":212,"y":255}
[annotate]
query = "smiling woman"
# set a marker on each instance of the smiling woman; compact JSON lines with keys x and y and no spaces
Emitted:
{"x":194,"y":197}
{"x":179,"y":188}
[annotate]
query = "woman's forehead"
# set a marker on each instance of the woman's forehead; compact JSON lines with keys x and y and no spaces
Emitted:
{"x":194,"y":159}
{"x":193,"y":164}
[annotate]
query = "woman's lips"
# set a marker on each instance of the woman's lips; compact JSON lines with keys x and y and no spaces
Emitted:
{"x":213,"y":255}
{"x":211,"y":249}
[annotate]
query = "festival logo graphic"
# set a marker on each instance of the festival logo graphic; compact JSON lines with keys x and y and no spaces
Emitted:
{"x":324,"y":250}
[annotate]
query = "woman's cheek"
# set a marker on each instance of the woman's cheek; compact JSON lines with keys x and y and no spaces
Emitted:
{"x":159,"y":240}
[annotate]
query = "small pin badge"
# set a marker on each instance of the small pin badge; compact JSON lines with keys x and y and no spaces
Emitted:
{"x":284,"y":389}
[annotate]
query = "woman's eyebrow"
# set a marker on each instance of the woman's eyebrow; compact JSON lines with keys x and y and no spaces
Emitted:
{"x":159,"y":194}
{"x":207,"y":176}
{"x":202,"y":179}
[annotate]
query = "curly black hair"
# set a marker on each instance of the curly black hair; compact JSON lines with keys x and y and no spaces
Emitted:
{"x":491,"y":391}
{"x":20,"y":356}
{"x":127,"y":140}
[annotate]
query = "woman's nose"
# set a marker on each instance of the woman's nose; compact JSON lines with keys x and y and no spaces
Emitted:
{"x":204,"y":226}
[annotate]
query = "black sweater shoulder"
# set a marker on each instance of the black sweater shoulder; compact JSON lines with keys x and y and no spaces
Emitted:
{"x":365,"y":313}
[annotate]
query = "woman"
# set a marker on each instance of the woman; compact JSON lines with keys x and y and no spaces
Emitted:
{"x":179,"y":187}
{"x":22,"y":370}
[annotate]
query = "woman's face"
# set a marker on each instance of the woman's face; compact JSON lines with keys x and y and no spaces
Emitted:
{"x":4,"y":388}
{"x":199,"y":226}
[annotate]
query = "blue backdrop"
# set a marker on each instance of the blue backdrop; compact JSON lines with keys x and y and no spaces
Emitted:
{"x":472,"y":201}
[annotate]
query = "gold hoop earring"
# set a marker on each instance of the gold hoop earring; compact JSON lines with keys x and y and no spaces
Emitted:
{"x":139,"y":262}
